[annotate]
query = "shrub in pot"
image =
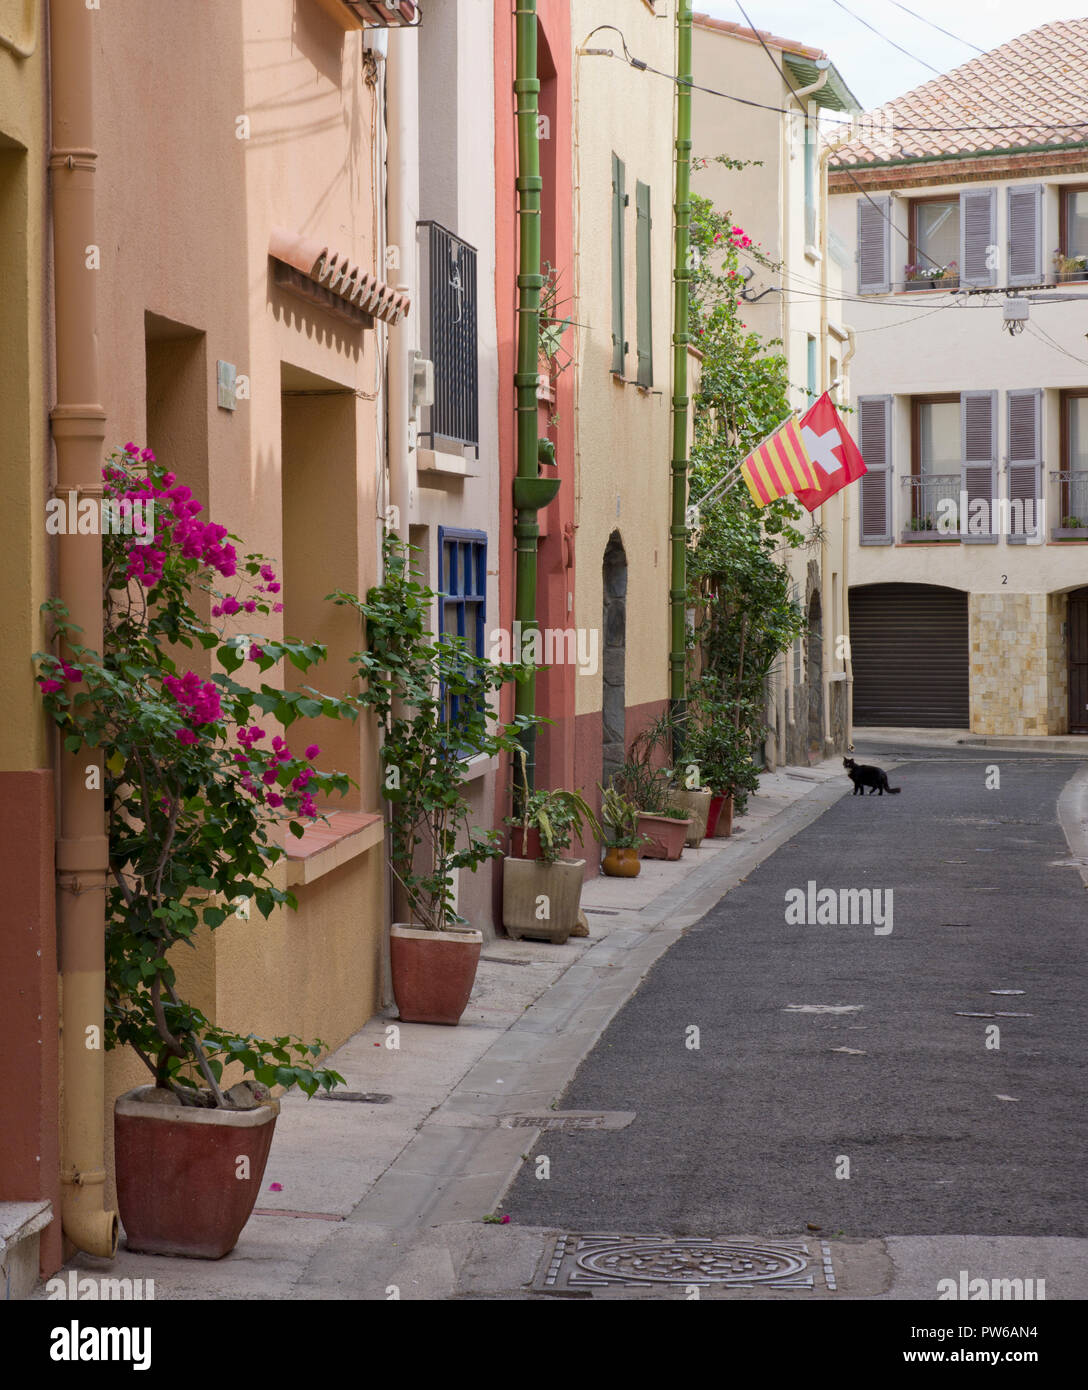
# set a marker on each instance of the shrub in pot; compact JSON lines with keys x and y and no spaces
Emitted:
{"x":194,"y":816}
{"x":430,"y":694}
{"x":665,"y":833}
{"x":541,"y":896}
{"x":648,"y":786}
{"x":621,"y":859}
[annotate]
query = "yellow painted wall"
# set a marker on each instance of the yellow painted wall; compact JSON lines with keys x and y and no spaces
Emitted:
{"x":24,"y":383}
{"x":624,"y":434}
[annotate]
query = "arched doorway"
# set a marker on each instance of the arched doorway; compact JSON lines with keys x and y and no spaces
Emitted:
{"x":814,"y":678}
{"x":614,"y":665}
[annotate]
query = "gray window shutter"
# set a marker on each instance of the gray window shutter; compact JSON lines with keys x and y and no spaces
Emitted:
{"x":874,"y":245}
{"x":619,"y":204}
{"x":978,"y":237}
{"x":645,"y":337}
{"x":1025,"y":463}
{"x":978,"y":432}
{"x":875,"y":441}
{"x":1026,"y":235}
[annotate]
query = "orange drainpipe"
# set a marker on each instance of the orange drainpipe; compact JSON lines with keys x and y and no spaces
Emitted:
{"x":79,"y":429}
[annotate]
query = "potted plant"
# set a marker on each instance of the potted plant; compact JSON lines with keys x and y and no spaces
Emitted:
{"x":196,"y":798}
{"x":430,"y":694}
{"x":1071,"y":267}
{"x":541,"y":894}
{"x":621,"y":859}
{"x":925,"y":277}
{"x":645,"y":781}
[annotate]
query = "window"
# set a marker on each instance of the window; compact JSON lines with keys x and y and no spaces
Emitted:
{"x":813,"y":385}
{"x":1074,"y":473}
{"x":1073,"y":256}
{"x":935,"y":458}
{"x":462,"y":588}
{"x":811,"y":137}
{"x":934,"y":244}
{"x":448,"y":309}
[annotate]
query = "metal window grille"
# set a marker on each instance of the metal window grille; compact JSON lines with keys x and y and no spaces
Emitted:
{"x":449,"y":311}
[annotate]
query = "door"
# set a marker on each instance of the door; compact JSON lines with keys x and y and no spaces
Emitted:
{"x":909,"y":646}
{"x":1078,"y":662}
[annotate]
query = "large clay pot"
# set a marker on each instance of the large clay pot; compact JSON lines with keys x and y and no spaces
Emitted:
{"x":719,"y":821}
{"x":621,"y":863}
{"x":433,"y":972}
{"x":181,"y":1188}
{"x":695,"y":804}
{"x":530,"y":886}
{"x":665,"y":836}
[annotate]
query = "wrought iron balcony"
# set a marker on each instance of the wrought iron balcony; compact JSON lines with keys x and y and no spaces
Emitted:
{"x":448,"y":309}
{"x":923,"y":502}
{"x":1073,"y":505}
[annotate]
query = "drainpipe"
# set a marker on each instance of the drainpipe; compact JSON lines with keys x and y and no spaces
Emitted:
{"x":531,"y":492}
{"x":680,"y":338}
{"x":402,"y":193}
{"x":848,"y":357}
{"x":79,"y":429}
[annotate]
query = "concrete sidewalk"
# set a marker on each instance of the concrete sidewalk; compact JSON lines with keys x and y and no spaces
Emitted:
{"x":1044,"y":744}
{"x":354,"y":1189}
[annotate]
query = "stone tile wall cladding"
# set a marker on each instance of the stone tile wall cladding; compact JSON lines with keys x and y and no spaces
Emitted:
{"x":1018,"y":664}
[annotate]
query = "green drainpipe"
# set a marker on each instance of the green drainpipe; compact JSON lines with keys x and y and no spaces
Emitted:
{"x":531,"y":492}
{"x":680,"y":339}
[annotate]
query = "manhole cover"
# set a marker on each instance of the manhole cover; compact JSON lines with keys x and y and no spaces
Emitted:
{"x":571,"y":1119}
{"x":588,"y":1262}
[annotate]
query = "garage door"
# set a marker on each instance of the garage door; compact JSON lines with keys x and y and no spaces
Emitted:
{"x":910,"y":652}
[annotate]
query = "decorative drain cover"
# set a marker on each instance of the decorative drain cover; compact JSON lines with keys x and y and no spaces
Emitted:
{"x":571,"y":1119}
{"x":588,"y":1262}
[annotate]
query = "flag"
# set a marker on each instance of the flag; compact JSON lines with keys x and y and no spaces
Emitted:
{"x":779,"y":466}
{"x":836,"y":458}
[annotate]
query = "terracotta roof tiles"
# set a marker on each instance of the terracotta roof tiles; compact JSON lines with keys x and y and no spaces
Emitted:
{"x":1037,"y":77}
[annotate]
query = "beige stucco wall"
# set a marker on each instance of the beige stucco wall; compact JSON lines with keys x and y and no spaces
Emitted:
{"x":624,"y":440}
{"x":185,"y":209}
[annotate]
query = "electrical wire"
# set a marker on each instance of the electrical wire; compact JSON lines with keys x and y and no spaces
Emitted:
{"x":872,"y":29}
{"x":1044,"y":337}
{"x":947,"y":33}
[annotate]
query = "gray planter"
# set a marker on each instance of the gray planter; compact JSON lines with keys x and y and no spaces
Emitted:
{"x":541,"y":900}
{"x":696,"y":805}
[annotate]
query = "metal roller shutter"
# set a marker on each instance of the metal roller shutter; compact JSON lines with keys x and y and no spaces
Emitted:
{"x":910,"y":647}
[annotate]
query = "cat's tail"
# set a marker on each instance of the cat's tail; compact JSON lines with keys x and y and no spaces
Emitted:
{"x":894,"y":791}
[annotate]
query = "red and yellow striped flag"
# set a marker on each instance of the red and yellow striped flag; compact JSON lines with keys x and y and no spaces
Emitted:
{"x":779,"y":466}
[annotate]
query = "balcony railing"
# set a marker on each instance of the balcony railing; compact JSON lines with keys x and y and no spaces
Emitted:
{"x":924,"y":499}
{"x":1073,"y":503}
{"x":448,"y":309}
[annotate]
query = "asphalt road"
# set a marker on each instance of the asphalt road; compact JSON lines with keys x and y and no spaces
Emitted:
{"x":745,"y":1134}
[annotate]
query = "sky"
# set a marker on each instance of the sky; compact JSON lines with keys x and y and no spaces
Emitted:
{"x":873,"y":70}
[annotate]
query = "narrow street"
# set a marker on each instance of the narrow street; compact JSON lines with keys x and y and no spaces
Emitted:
{"x":744,"y":1134}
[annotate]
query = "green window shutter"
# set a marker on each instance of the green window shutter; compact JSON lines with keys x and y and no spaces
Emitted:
{"x":645,"y":301}
{"x":619,"y":203}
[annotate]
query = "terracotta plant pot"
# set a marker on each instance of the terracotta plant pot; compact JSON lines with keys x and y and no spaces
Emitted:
{"x":695,"y":804}
{"x":179,"y":1189}
{"x":433,"y":972}
{"x":531,"y":887}
{"x":665,"y":836}
{"x":719,"y":821}
{"x":531,"y":849}
{"x":621,"y":863}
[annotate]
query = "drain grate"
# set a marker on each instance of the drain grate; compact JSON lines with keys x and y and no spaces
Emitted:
{"x":583,"y":1263}
{"x":571,"y":1120}
{"x":361,"y":1097}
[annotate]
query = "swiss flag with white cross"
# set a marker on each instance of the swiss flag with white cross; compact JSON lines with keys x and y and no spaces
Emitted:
{"x":836,"y":457}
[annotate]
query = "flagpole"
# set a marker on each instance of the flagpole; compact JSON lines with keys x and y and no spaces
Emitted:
{"x":732,"y":476}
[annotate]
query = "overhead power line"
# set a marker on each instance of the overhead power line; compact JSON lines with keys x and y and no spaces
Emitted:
{"x":873,"y":29}
{"x":947,"y":33}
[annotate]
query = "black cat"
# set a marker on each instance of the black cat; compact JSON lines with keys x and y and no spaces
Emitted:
{"x":875,"y":778}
